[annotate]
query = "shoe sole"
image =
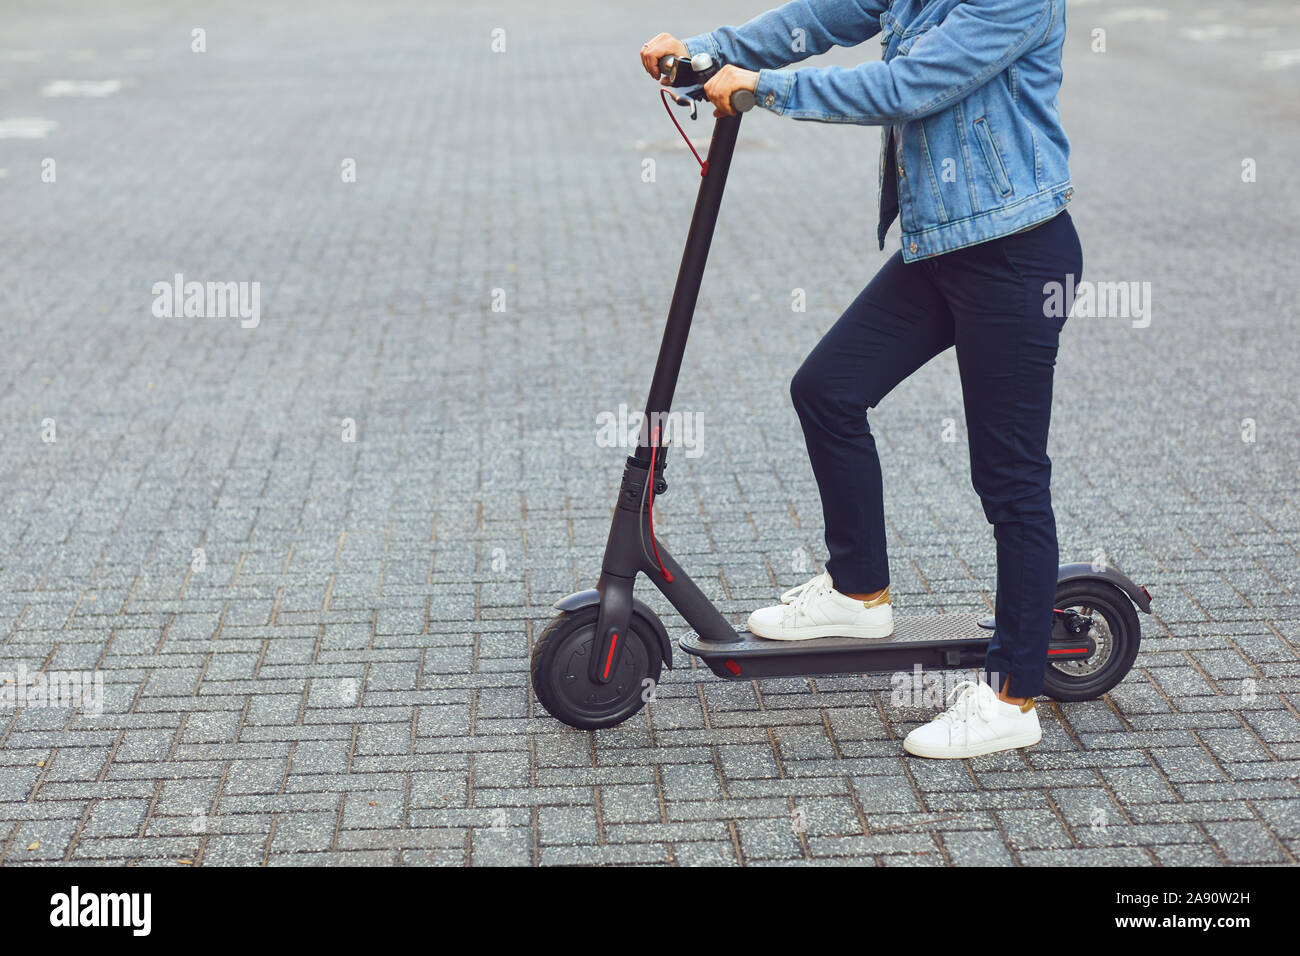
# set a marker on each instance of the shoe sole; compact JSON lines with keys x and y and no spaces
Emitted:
{"x":973,"y":750}
{"x":827,"y":630}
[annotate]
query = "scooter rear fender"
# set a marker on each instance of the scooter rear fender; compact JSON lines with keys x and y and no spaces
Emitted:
{"x":1082,"y":571}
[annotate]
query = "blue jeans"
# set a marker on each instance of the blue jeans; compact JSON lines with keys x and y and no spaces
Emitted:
{"x":989,"y":301}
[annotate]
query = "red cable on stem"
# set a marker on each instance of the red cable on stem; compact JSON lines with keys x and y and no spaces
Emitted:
{"x":704,"y":163}
{"x":650,"y":506}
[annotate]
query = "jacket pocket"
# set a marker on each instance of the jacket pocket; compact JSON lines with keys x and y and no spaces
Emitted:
{"x":992,"y":157}
{"x":912,"y":34}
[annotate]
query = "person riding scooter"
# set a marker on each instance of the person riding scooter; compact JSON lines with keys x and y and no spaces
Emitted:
{"x":974,"y":165}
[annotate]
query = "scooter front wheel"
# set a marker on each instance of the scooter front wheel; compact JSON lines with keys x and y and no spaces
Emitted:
{"x":561,"y":678}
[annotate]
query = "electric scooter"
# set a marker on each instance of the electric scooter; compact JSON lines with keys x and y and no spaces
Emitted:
{"x":598,"y":661}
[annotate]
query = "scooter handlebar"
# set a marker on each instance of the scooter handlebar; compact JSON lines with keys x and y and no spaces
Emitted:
{"x":696,"y":72}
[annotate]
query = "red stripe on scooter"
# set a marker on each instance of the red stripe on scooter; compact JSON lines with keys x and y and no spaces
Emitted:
{"x":609,"y":660}
{"x":1069,"y":650}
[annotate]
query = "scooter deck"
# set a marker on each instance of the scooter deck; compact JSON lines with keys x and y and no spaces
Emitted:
{"x":931,"y":640}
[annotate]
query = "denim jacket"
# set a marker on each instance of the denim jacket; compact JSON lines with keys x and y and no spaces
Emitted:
{"x":965,"y":92}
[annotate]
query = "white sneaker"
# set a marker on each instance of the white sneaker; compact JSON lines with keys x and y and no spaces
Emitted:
{"x":793,"y":593}
{"x":978,"y":723}
{"x":816,"y":609}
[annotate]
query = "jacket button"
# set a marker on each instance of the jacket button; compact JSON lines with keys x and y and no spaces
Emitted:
{"x":769,"y":100}
{"x":901,"y":172}
{"x":912,"y":248}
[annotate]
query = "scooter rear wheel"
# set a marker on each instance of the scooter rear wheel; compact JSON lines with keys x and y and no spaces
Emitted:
{"x":1115,"y":631}
{"x":560,"y":676}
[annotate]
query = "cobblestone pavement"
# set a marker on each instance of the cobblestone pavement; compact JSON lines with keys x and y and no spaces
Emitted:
{"x":308,"y":557}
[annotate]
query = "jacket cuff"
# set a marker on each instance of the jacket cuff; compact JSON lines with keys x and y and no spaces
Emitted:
{"x":704,"y":43}
{"x":773,"y":89}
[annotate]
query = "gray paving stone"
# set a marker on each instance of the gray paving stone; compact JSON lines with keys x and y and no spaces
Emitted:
{"x":569,"y":826}
{"x":691,"y":782}
{"x":300,"y":832}
{"x":116,"y":818}
{"x":769,"y":839}
{"x":1246,"y":842}
{"x":235,"y":850}
{"x":1129,"y":856}
{"x":509,"y":846}
{"x":1185,"y":856}
{"x":716,"y":853}
{"x":977,"y":848}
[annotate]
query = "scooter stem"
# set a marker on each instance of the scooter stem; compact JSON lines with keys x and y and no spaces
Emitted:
{"x":689,"y":277}
{"x":624,"y":552}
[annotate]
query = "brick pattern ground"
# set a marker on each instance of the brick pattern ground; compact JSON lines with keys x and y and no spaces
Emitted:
{"x":343,"y":677}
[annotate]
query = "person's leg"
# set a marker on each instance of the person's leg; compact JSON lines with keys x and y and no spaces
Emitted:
{"x":1006,"y":350}
{"x":894,"y":326}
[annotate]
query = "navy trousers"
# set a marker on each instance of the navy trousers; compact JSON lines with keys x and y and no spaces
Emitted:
{"x":990,"y":302}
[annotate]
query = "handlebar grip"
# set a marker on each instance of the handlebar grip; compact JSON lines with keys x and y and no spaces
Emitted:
{"x":668,"y":68}
{"x":742,"y":101}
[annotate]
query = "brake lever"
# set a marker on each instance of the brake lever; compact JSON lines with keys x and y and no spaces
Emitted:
{"x":690,"y":99}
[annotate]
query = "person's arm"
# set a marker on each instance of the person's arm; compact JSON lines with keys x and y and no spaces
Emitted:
{"x":793,"y":32}
{"x":974,"y":43}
